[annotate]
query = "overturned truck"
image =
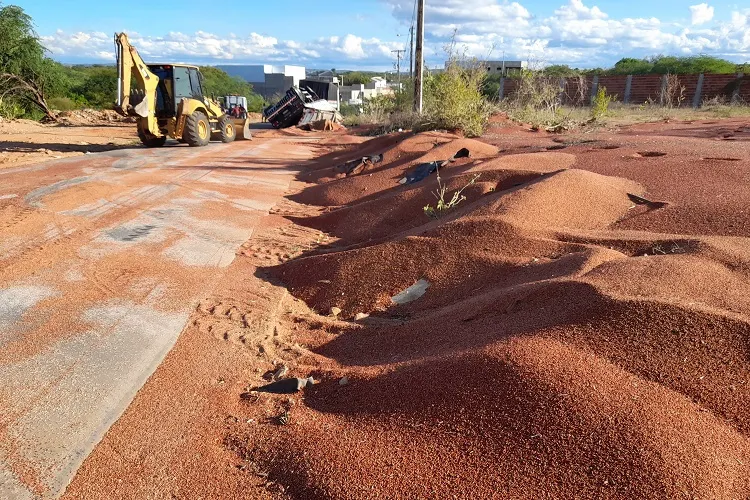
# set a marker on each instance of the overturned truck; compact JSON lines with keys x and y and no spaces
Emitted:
{"x":300,"y":107}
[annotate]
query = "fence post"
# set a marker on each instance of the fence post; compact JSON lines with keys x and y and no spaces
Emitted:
{"x":663,"y":93}
{"x":594,"y":88}
{"x":501,"y":92}
{"x":628,"y":85}
{"x":698,"y":92}
{"x":736,"y":92}
{"x":561,"y":95}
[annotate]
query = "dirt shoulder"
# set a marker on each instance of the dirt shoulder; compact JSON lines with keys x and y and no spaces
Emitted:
{"x":584,"y":330}
{"x":26,"y":141}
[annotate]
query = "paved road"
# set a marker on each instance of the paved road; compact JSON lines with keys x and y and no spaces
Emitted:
{"x":102,"y":259}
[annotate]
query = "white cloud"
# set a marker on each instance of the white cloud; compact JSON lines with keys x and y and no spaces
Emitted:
{"x":578,"y":33}
{"x":701,"y":13}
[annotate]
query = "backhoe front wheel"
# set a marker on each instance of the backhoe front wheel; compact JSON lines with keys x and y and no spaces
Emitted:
{"x":197,"y":129}
{"x":227,"y":132}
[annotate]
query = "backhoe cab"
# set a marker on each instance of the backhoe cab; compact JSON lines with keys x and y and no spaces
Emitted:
{"x":168,"y":101}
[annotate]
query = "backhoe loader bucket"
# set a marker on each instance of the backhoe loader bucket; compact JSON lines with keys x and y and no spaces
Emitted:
{"x":242,"y":128}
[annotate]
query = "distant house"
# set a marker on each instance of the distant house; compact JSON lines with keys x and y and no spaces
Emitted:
{"x":268,"y":80}
{"x":503,"y":68}
{"x":356,"y":94}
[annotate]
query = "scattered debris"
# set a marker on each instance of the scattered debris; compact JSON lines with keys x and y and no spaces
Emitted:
{"x":356,"y":167}
{"x":556,"y":129}
{"x":412,"y":293}
{"x":279,"y":374}
{"x":361,"y":316}
{"x":335,"y":311}
{"x":425,"y":169}
{"x":649,"y":154}
{"x":285,"y":386}
{"x":638,"y":200}
{"x":344,"y":381}
{"x":250,"y":396}
{"x":283,"y":419}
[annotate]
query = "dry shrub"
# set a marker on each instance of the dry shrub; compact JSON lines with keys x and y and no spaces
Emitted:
{"x":673,"y":92}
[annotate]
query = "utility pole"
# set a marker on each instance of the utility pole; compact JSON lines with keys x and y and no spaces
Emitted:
{"x":398,"y":65}
{"x":411,"y":52}
{"x":419,"y":58}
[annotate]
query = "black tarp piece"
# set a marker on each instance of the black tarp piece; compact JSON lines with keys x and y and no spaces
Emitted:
{"x":425,"y":169}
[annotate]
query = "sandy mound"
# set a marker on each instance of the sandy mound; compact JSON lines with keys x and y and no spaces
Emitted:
{"x":492,"y":245}
{"x":403,"y":208}
{"x":385,"y":175}
{"x":573,"y":199}
{"x":553,"y":351}
{"x":396,"y":147}
{"x":532,"y":162}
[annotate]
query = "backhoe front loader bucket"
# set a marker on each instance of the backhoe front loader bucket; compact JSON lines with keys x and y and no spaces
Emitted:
{"x":242,"y":127}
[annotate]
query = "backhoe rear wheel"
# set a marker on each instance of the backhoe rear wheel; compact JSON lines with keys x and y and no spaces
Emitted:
{"x":227,"y":132}
{"x":197,"y":129}
{"x":149,"y":140}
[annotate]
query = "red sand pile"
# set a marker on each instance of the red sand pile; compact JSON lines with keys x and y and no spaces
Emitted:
{"x":386,"y":174}
{"x":564,"y":348}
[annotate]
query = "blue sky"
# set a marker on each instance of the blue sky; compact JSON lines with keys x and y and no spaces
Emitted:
{"x":361,"y":34}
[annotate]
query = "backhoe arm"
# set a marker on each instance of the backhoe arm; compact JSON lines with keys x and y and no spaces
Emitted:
{"x":143,"y":102}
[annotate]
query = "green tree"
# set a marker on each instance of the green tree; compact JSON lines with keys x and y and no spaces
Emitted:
{"x":357,"y":77}
{"x":692,"y":65}
{"x":632,"y":66}
{"x":98,"y":88}
{"x":662,"y":65}
{"x":560,"y":70}
{"x":218,"y":83}
{"x":27,"y":76}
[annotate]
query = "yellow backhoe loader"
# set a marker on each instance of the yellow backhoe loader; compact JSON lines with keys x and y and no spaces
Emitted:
{"x":168,"y":101}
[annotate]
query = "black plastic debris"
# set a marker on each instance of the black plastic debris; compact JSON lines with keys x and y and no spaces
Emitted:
{"x":423,"y":170}
{"x":359,"y":165}
{"x":651,"y":205}
{"x":639,"y":200}
{"x":286,"y":386}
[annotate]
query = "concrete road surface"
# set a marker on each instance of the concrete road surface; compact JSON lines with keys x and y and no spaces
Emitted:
{"x":102,"y":259}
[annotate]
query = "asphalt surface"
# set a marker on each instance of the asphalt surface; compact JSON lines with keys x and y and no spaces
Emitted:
{"x":102,"y":259}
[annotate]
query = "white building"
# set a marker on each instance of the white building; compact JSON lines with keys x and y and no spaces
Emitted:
{"x":503,"y":68}
{"x":357,"y":93}
{"x":267,"y":79}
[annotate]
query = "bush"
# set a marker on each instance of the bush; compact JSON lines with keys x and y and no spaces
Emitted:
{"x":600,"y":106}
{"x":66,"y":103}
{"x":10,"y":109}
{"x":349,"y":110}
{"x":537,"y":101}
{"x":453,"y":99}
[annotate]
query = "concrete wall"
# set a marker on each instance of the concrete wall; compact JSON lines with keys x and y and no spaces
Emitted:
{"x":639,"y":89}
{"x":267,"y":80}
{"x":495,"y":67}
